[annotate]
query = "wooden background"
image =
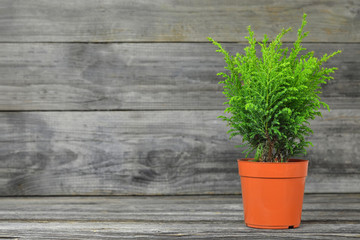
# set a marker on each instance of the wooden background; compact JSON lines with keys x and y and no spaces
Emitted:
{"x":121,"y":97}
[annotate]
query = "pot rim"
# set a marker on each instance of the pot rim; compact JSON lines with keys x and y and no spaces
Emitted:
{"x":291,"y":161}
{"x":296,"y":168}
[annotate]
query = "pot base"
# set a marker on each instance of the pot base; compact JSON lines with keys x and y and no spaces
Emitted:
{"x":271,"y":227}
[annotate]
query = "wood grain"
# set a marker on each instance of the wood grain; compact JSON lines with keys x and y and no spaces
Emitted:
{"x":325,"y":216}
{"x":156,"y":230}
{"x":153,"y":152}
{"x":173,"y":21}
{"x":121,"y":97}
{"x":317,"y":208}
{"x":141,"y":76}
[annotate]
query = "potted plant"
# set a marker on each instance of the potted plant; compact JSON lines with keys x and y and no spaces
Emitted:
{"x":270,"y":100}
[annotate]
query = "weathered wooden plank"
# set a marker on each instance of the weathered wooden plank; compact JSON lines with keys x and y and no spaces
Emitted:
{"x":188,"y":217}
{"x":176,"y":21}
{"x":136,"y":230}
{"x":153,"y":152}
{"x":139,"y":76}
{"x":317,"y":208}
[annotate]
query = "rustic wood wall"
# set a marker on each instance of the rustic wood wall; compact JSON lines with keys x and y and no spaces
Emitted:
{"x":121,"y":97}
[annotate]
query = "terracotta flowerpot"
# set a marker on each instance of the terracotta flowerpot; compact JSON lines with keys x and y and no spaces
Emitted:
{"x":273,"y":192}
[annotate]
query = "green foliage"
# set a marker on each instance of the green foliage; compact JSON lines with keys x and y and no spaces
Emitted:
{"x":270,"y":99}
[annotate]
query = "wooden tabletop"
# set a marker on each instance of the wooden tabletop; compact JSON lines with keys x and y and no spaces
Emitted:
{"x":325,"y":216}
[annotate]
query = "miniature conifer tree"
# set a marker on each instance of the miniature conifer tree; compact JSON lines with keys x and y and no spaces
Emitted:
{"x":272,"y":98}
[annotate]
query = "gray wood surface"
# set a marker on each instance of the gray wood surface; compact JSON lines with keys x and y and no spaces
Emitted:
{"x":173,"y":21}
{"x":140,"y":76}
{"x":121,"y":97}
{"x":153,"y":152}
{"x":325,"y":216}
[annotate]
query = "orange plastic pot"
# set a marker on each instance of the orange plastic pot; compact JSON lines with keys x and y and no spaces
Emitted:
{"x":273,"y":192}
